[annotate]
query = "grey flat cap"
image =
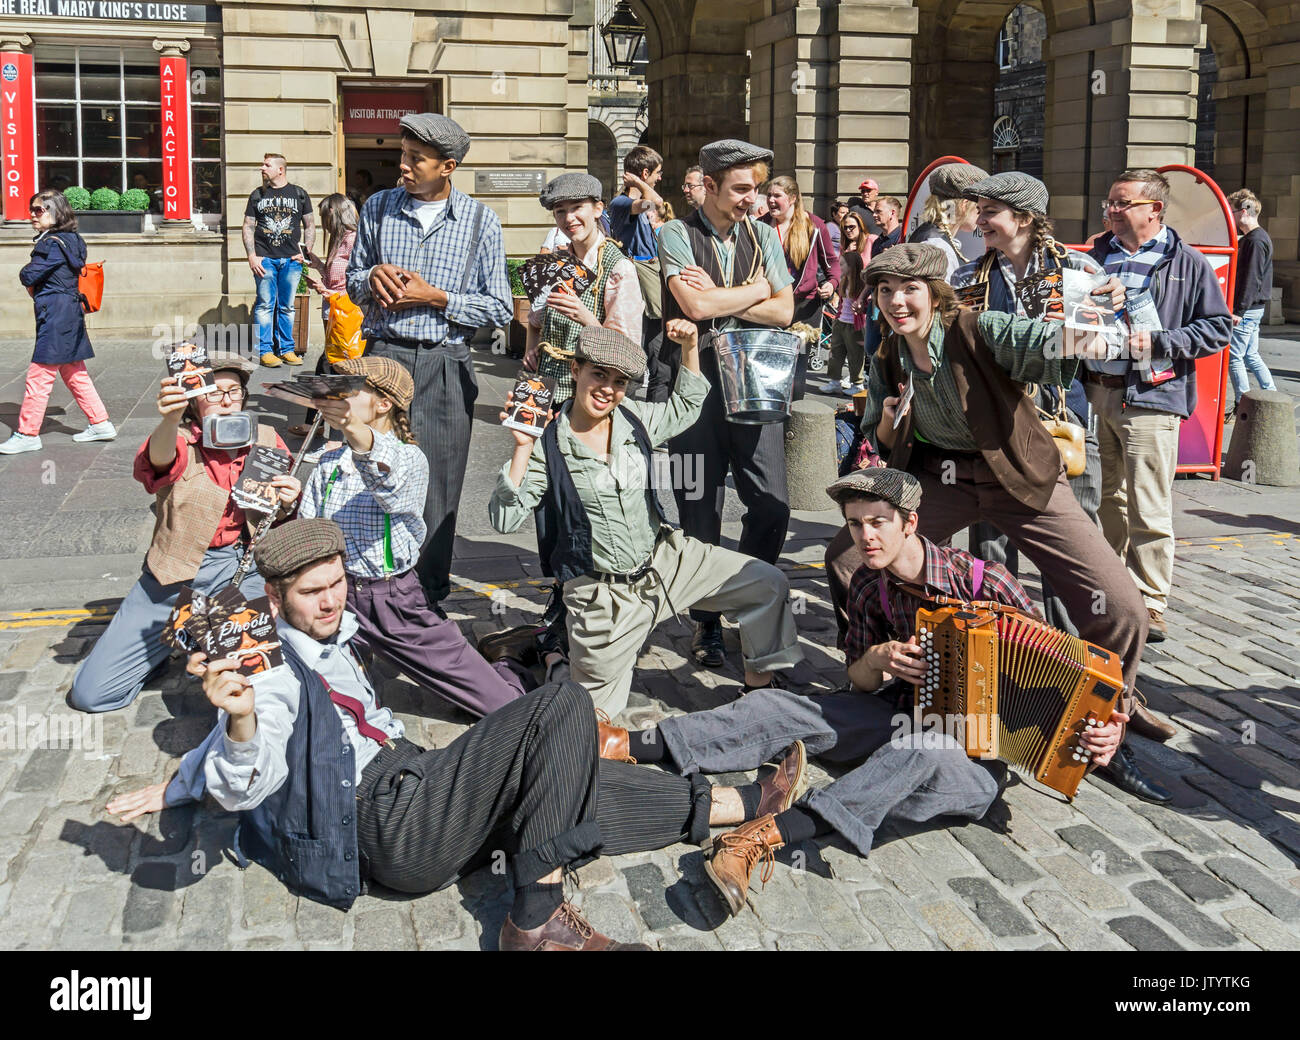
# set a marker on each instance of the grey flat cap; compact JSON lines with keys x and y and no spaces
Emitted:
{"x":907,"y":260}
{"x":1018,"y":190}
{"x":571,"y":187}
{"x":951,"y":181}
{"x":612,"y":349}
{"x":722,"y":155}
{"x":899,"y":489}
{"x":444,"y":134}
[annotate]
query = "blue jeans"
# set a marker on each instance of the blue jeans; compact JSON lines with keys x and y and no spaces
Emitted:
{"x":275,"y":292}
{"x":1243,"y":354}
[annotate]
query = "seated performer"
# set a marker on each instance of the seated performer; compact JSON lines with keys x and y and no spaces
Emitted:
{"x":622,"y":567}
{"x":330,"y":793}
{"x":199,"y":534}
{"x":373,"y":487}
{"x":945,"y":404}
{"x":898,"y":774}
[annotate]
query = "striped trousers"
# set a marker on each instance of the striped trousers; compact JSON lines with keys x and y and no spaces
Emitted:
{"x":523,"y":786}
{"x":441,"y":414}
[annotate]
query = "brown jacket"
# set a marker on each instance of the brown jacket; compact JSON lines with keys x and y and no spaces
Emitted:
{"x":186,"y":517}
{"x":1003,"y":420}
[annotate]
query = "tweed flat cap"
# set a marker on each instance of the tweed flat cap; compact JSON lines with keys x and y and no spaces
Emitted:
{"x":571,"y":187}
{"x":951,"y":181}
{"x":603,"y":346}
{"x":231,"y":363}
{"x":907,"y":260}
{"x":1018,"y":190}
{"x":723,"y":155}
{"x":896,"y":487}
{"x":287,"y":549}
{"x":385,"y":375}
{"x":444,"y":134}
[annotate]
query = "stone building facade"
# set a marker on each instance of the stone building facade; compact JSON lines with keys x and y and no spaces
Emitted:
{"x":837,"y":88}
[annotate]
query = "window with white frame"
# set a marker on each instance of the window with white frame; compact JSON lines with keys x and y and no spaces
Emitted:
{"x":99,"y":123}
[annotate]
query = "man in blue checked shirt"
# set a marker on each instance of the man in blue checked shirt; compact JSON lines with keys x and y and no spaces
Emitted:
{"x":429,"y":269}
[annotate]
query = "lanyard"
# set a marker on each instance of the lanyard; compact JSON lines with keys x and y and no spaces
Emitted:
{"x":388,"y":521}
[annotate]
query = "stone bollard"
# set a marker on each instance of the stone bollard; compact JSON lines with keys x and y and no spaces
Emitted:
{"x":810,"y":465}
{"x":1263,"y":448}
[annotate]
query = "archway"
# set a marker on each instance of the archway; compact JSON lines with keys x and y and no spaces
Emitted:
{"x":602,"y":157}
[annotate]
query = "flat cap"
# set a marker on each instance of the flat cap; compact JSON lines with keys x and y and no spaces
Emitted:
{"x":1018,"y":190}
{"x":444,"y":134}
{"x":907,"y":260}
{"x":385,"y":375}
{"x":231,"y":363}
{"x":571,"y":187}
{"x":723,"y":155}
{"x":896,"y":487}
{"x":287,"y":549}
{"x":612,"y":349}
{"x":951,"y":181}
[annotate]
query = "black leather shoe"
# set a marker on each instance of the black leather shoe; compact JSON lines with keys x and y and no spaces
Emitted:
{"x":1123,"y":772}
{"x":707,"y":644}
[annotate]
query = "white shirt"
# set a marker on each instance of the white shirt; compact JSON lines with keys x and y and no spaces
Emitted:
{"x":556,"y":240}
{"x":427,"y":212}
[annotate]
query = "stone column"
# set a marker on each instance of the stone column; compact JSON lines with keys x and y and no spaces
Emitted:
{"x":1120,"y":94}
{"x":1279,"y":187}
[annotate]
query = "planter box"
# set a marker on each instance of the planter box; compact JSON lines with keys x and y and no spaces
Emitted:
{"x":110,"y":221}
{"x":302,"y":312}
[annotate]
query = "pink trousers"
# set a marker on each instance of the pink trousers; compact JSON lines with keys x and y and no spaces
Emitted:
{"x":40,"y":381}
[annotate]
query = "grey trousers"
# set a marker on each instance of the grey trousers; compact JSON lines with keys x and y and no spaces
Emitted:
{"x":441,"y":416}
{"x":907,"y":777}
{"x":131,"y":647}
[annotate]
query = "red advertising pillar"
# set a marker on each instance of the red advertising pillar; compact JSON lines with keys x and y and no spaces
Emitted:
{"x":174,"y":82}
{"x":17,"y":131}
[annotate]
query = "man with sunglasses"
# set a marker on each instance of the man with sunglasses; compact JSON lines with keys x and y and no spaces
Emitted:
{"x":199,"y":537}
{"x":1142,"y":396}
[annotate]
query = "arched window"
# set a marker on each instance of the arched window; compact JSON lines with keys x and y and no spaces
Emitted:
{"x":1006,"y":144}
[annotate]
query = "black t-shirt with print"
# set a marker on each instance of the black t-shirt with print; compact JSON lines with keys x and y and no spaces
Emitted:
{"x":279,"y":213}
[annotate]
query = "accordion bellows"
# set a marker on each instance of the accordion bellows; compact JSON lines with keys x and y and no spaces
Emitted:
{"x":1008,"y":686}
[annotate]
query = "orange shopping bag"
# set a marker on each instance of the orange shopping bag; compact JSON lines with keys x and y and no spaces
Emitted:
{"x":343,"y":340}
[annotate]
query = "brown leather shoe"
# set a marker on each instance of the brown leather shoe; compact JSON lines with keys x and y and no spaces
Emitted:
{"x":1158,"y":630}
{"x":611,"y":740}
{"x":518,"y":644}
{"x":736,"y":853}
{"x":566,"y":930}
{"x":784,"y":782}
{"x":1146,"y":723}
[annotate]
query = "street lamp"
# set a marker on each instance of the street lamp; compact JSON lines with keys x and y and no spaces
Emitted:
{"x":622,"y":35}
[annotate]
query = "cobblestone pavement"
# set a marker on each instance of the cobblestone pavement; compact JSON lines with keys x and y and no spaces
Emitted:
{"x":1217,"y":870}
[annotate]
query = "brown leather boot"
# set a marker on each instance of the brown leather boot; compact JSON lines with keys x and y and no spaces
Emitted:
{"x":1146,"y":723}
{"x":736,"y":853}
{"x":783,"y":783}
{"x":518,"y":643}
{"x":567,"y":930}
{"x":611,"y":740}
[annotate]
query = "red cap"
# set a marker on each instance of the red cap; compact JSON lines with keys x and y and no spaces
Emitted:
{"x":869,"y":183}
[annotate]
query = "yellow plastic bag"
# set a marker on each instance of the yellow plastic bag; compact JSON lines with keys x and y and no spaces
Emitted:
{"x":343,"y":340}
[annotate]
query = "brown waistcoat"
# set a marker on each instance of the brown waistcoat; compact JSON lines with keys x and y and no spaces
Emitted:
{"x":186,"y":517}
{"x":1002,"y":419}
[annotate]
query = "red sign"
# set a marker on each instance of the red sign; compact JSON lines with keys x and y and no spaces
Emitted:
{"x":173,"y":73}
{"x":379,"y":111}
{"x":18,"y":132}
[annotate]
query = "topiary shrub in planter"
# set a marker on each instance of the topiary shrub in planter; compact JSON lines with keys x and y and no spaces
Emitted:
{"x":513,"y":267}
{"x":78,"y":198}
{"x":105,"y":198}
{"x":134,"y":199}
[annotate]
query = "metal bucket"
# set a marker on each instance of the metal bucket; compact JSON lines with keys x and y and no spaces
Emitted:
{"x":756,"y":367}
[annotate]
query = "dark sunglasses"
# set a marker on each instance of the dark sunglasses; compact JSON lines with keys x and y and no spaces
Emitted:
{"x":36,"y":211}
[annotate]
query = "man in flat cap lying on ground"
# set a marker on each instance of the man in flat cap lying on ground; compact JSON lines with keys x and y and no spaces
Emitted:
{"x":724,"y":270}
{"x":898,"y":774}
{"x":429,"y":268}
{"x":330,"y":793}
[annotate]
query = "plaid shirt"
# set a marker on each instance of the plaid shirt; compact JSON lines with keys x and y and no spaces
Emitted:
{"x":391,"y":479}
{"x":1134,"y":272}
{"x":947,"y":572}
{"x":390,"y":233}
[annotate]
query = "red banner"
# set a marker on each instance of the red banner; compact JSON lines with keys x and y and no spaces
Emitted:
{"x":18,"y":132}
{"x":173,"y":72}
{"x":379,"y":111}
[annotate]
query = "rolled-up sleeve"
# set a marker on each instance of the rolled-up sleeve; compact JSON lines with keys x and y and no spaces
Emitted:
{"x":241,"y":775}
{"x":510,"y":506}
{"x":1029,"y":350}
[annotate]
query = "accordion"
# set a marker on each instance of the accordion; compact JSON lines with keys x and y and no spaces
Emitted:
{"x":1008,"y":686}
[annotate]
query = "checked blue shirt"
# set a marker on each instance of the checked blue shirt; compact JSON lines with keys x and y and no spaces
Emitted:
{"x":1134,"y":272}
{"x":389,"y":233}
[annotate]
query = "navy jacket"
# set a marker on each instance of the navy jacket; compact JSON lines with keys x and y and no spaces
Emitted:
{"x":306,"y":832}
{"x":1196,"y":324}
{"x":61,"y":335}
